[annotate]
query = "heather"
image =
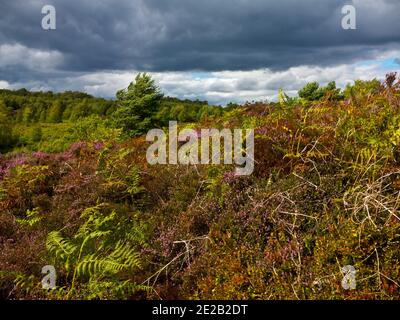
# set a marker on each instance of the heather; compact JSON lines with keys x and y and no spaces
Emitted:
{"x":324,"y":194}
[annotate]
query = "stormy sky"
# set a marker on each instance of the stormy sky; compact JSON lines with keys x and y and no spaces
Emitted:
{"x":218,"y":50}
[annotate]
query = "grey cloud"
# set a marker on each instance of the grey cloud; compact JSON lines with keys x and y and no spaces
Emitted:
{"x":192,"y":35}
{"x":160,"y":35}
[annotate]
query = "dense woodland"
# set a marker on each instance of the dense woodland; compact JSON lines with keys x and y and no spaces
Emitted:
{"x":76,"y":192}
{"x":47,"y":121}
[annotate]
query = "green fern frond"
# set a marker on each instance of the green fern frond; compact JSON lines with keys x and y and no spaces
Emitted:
{"x":94,"y":265}
{"x":101,"y":254}
{"x":59,"y":245}
{"x":32,"y":218}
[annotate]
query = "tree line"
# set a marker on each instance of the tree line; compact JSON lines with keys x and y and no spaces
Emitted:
{"x":136,"y":109}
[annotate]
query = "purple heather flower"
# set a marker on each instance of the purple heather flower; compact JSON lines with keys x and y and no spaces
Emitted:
{"x":230,"y":177}
{"x":98,"y":145}
{"x":39,"y":154}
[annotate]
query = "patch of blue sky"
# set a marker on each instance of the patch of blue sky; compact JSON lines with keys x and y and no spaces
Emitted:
{"x":201,"y":75}
{"x":384,"y":64}
{"x":391,"y":63}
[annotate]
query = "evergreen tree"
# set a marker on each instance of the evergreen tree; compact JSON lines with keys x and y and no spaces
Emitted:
{"x":138,"y":105}
{"x":313,"y":92}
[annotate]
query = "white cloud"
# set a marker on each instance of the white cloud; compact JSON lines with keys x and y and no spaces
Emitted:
{"x":217,"y":87}
{"x":241,"y":86}
{"x":4,"y":84}
{"x":34,"y":59}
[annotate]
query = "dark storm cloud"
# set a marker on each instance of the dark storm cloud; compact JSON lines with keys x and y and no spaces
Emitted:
{"x":210,"y":35}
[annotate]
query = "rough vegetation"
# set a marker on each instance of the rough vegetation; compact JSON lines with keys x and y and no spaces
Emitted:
{"x":324,"y":194}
